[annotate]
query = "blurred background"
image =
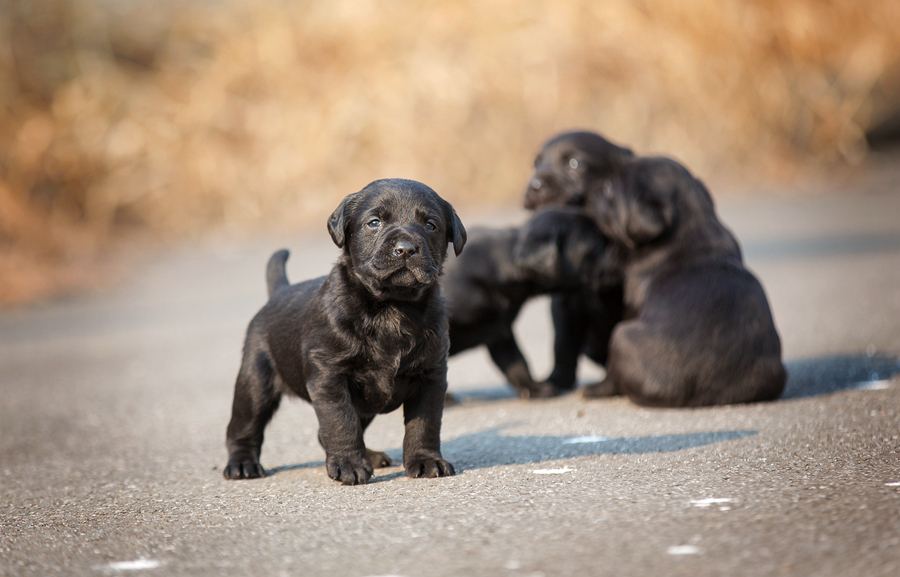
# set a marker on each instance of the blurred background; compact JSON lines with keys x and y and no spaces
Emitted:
{"x":172,"y":119}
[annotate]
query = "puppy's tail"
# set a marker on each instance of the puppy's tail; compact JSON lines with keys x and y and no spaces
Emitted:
{"x":276,"y":278}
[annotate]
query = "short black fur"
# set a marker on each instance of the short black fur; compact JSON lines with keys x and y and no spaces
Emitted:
{"x":366,"y":339}
{"x":557,"y":250}
{"x":699,"y":330}
{"x":566,"y":168}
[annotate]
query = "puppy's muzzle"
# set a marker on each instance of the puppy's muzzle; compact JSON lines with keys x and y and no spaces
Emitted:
{"x":405,"y":262}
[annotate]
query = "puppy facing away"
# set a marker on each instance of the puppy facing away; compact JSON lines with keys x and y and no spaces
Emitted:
{"x":699,"y":329}
{"x":567,"y":166}
{"x":558,"y":249}
{"x":369,"y":337}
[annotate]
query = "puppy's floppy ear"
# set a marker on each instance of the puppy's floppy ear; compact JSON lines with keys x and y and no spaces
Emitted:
{"x":456,"y":233}
{"x":340,"y":220}
{"x":649,"y":217}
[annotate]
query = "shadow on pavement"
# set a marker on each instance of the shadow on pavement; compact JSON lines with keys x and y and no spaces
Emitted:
{"x":491,"y":449}
{"x":276,"y":470}
{"x":814,"y":377}
{"x":486,"y":394}
{"x":806,"y":378}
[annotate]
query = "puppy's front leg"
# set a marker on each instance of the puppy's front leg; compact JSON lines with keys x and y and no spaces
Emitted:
{"x":340,"y":432}
{"x":422,"y":441}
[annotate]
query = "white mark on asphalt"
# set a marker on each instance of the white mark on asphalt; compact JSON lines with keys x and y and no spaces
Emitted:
{"x":683,"y":550}
{"x":552,"y":471}
{"x":134,"y":565}
{"x":879,"y":385}
{"x":586,"y":439}
{"x":710,"y":502}
{"x":892,"y":484}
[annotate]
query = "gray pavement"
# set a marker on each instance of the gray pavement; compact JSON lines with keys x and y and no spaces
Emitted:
{"x":113,"y":410}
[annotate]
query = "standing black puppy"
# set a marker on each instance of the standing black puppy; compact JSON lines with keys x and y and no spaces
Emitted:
{"x":699,"y":328}
{"x":558,"y":249}
{"x":567,"y":166}
{"x":369,"y":337}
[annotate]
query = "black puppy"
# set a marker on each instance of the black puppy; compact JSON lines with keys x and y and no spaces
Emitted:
{"x":556,"y":250}
{"x":567,"y":166}
{"x":700,"y":331}
{"x":369,"y":337}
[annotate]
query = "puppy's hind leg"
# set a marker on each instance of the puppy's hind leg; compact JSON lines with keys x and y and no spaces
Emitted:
{"x":569,"y":328}
{"x":509,"y":359}
{"x":376,"y":458}
{"x":255,"y":401}
{"x":645,"y":366}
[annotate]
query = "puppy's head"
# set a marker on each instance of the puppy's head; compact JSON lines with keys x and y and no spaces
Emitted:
{"x":561,"y":248}
{"x":395,"y":234}
{"x":570,"y":164}
{"x":649,"y":200}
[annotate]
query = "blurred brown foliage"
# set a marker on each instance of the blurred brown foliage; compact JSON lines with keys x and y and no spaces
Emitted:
{"x":176,"y":117}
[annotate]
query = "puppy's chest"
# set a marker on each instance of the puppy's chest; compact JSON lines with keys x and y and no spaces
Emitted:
{"x":381,"y":381}
{"x":387,"y":365}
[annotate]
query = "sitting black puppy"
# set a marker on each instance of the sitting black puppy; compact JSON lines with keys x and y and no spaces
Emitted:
{"x":556,"y":250}
{"x":567,"y":166}
{"x":699,"y":328}
{"x":369,"y":337}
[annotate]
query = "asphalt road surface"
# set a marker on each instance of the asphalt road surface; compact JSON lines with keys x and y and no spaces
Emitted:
{"x":113,"y":410}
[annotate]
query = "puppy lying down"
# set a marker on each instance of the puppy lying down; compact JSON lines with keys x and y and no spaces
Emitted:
{"x":699,"y":330}
{"x":557,"y":250}
{"x":366,"y":339}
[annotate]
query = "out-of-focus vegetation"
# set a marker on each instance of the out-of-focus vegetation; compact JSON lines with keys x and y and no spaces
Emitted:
{"x":177,"y":117}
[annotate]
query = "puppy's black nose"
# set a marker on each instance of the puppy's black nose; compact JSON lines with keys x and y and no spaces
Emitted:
{"x":404,"y":249}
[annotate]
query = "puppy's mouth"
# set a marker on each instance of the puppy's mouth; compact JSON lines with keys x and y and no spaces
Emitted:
{"x":405,"y":276}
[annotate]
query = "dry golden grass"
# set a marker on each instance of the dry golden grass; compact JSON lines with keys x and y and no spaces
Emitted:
{"x":186,"y":116}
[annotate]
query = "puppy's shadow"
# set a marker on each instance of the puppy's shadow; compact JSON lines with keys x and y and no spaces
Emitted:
{"x":489,"y":448}
{"x":486,"y":394}
{"x":814,"y":377}
{"x":380,"y":474}
{"x":298,"y":466}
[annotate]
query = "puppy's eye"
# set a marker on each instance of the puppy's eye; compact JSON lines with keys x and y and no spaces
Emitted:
{"x":373,"y":223}
{"x":573,"y":163}
{"x":430,"y":225}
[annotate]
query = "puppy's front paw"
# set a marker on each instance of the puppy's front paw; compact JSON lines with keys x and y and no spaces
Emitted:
{"x":428,"y":467}
{"x":349,"y":470}
{"x":243,"y":466}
